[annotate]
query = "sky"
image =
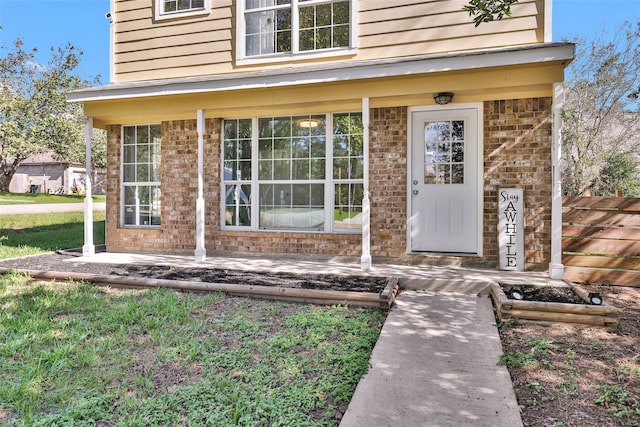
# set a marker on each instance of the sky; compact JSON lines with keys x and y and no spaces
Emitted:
{"x":47,"y":23}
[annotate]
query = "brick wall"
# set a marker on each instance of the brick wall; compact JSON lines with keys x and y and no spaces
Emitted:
{"x":517,"y":153}
{"x":388,"y":181}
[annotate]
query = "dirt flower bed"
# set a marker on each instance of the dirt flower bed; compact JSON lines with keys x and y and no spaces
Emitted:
{"x":568,"y":376}
{"x":64,"y":262}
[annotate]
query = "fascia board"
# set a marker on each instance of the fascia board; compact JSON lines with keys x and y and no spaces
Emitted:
{"x":352,"y":71}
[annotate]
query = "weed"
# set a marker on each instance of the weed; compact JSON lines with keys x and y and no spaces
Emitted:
{"x":617,"y":401}
{"x":517,"y":359}
{"x":569,"y":387}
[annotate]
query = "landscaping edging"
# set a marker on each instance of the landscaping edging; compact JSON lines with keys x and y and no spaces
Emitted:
{"x":383,"y":299}
{"x":602,"y":316}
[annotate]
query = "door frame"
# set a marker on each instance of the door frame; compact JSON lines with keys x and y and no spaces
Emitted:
{"x":480,"y":167}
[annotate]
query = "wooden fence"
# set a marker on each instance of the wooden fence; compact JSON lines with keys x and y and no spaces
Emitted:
{"x":601,"y":240}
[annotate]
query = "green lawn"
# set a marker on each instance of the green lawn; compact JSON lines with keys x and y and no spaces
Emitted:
{"x":22,"y":198}
{"x":82,"y":355}
{"x":36,"y":233}
{"x":77,"y":354}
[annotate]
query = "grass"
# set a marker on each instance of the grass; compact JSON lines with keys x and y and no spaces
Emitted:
{"x":77,"y":354}
{"x":72,"y":353}
{"x":29,"y":234}
{"x":22,"y":198}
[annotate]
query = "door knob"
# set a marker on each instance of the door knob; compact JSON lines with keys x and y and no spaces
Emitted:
{"x":415,"y":182}
{"x":415,"y":192}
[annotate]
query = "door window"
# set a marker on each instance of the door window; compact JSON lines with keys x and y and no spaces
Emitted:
{"x":444,"y":144}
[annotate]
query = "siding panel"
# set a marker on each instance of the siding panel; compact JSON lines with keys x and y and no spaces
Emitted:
{"x":146,"y":49}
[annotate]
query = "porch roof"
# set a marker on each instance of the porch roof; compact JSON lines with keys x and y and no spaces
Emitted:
{"x":327,"y":73}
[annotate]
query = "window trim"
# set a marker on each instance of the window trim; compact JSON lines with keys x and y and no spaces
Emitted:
{"x":329,"y":182}
{"x":295,"y":55}
{"x":122,"y":183}
{"x":159,"y":15}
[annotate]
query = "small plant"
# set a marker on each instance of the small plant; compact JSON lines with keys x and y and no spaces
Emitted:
{"x":517,"y":359}
{"x":569,"y":387}
{"x":619,"y":403}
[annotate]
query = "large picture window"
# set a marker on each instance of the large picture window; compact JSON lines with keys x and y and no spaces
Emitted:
{"x":141,"y":163}
{"x":294,"y":172}
{"x":274,"y":27}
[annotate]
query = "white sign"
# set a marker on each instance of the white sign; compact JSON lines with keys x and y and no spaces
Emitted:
{"x":511,"y":228}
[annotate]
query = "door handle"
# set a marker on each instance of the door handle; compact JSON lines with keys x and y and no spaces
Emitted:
{"x":415,"y":192}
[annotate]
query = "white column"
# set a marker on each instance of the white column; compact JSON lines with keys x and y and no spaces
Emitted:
{"x":201,"y":252}
{"x":365,"y":259}
{"x":88,"y":249}
{"x":556,"y":269}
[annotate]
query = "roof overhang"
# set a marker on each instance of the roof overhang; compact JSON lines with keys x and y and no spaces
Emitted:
{"x":328,"y":73}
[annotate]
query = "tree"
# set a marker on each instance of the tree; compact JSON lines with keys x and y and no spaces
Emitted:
{"x":34,"y":114}
{"x":488,"y":10}
{"x":601,"y":119}
{"x":620,"y":173}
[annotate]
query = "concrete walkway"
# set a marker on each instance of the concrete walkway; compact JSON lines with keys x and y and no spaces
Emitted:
{"x":47,"y":208}
{"x":435,"y":363}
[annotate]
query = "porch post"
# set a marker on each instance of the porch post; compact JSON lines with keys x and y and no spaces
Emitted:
{"x":201,"y":252}
{"x":365,"y":259}
{"x":88,"y":249}
{"x":556,"y":269}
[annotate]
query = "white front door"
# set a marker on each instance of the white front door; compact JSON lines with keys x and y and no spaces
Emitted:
{"x":444,"y":181}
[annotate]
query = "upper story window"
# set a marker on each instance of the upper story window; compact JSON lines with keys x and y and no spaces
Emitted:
{"x":280,"y":27}
{"x":166,"y":9}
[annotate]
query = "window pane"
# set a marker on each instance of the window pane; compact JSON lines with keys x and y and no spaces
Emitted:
{"x":348,"y":206}
{"x":265,"y":170}
{"x":282,"y":148}
{"x":238,"y":205}
{"x":300,"y":147}
{"x":130,"y":135}
{"x":300,"y":169}
{"x":288,"y":206}
{"x":318,"y":169}
{"x":142,"y":156}
{"x":142,"y":135}
{"x":170,"y":6}
{"x":282,"y":169}
{"x":341,"y":13}
{"x":142,"y":173}
{"x":318,"y":146}
{"x":129,"y":153}
{"x":341,"y":36}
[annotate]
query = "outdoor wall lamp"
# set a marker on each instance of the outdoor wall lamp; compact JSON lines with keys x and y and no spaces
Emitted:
{"x":443,"y":98}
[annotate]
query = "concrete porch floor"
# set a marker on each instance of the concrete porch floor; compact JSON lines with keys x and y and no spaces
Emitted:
{"x":420,"y":275}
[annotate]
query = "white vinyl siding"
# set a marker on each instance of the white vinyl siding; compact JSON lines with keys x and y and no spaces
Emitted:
{"x":147,"y":47}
